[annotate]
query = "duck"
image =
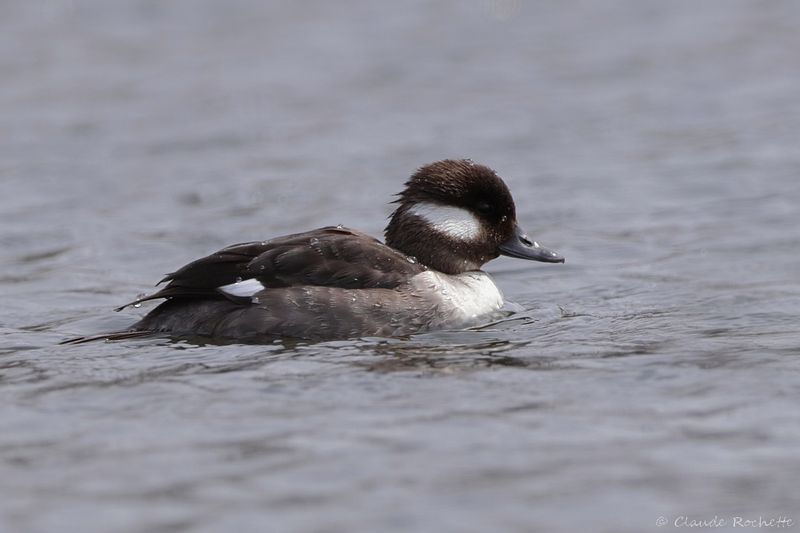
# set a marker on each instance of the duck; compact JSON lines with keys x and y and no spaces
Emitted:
{"x":452,"y":217}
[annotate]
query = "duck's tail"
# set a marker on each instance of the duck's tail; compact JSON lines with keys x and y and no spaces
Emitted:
{"x":115,"y":336}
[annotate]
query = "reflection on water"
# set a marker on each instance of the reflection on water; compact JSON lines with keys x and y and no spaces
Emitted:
{"x":652,"y":375}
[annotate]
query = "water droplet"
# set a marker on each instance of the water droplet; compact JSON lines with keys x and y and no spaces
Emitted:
{"x":255,"y":300}
{"x":137,"y":305}
{"x":238,"y":279}
{"x":262,"y":267}
{"x":314,"y":241}
{"x":411,"y":260}
{"x":339,"y":226}
{"x":353,"y":298}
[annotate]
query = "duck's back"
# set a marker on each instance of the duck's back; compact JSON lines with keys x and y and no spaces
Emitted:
{"x":327,"y":283}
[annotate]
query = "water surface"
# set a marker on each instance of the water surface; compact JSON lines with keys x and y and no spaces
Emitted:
{"x":655,"y":374}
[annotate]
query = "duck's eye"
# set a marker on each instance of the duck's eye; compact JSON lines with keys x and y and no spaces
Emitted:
{"x":484,"y":207}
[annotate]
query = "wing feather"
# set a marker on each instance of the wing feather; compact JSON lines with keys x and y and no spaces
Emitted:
{"x":327,"y":257}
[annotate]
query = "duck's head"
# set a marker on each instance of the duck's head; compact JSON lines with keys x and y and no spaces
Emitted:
{"x":455,"y":215}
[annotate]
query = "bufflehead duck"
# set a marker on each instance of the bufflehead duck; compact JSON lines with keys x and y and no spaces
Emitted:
{"x":332,"y":283}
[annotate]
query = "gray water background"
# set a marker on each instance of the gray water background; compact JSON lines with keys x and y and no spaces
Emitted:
{"x":655,"y":374}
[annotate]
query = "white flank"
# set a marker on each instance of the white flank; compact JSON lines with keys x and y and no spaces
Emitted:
{"x":452,"y":221}
{"x":243,"y":289}
{"x":463,"y":297}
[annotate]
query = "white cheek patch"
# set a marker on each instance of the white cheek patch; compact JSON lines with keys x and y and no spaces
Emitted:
{"x":243,"y":289}
{"x":452,"y":221}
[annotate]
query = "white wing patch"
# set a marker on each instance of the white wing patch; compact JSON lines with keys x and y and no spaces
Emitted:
{"x":243,"y":289}
{"x":452,"y":221}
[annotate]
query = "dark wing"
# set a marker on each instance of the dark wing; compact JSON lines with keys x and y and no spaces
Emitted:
{"x":327,"y":257}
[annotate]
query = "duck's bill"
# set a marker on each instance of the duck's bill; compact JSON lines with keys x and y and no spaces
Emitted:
{"x":521,"y":247}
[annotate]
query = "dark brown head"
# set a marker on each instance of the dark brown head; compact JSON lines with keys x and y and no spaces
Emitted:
{"x":454,"y":216}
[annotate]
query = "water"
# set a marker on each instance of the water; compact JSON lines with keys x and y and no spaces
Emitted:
{"x":655,"y":374}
